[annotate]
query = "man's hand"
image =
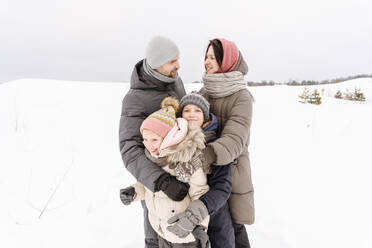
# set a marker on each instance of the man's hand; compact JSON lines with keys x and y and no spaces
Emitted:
{"x":185,"y":222}
{"x":127,"y":195}
{"x":174,"y":189}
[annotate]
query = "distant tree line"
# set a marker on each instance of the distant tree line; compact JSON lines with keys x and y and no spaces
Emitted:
{"x":262,"y":83}
{"x":308,"y":82}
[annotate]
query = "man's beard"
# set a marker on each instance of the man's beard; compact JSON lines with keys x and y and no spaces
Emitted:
{"x":173,"y":74}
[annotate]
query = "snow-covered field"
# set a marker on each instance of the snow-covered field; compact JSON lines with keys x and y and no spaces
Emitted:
{"x":61,"y":170}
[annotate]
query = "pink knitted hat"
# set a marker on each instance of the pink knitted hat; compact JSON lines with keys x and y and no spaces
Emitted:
{"x":230,"y":55}
{"x":163,"y":120}
{"x":176,"y":134}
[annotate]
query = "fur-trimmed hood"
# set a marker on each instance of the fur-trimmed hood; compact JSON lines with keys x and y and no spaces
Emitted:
{"x":184,"y":151}
{"x":186,"y":157}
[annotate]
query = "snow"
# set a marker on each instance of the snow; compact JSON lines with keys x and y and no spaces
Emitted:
{"x":61,"y":169}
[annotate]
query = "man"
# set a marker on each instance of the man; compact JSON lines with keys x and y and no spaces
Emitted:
{"x":153,"y":79}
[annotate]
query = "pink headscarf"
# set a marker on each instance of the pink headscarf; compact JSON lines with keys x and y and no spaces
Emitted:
{"x":230,"y":55}
{"x":176,"y":134}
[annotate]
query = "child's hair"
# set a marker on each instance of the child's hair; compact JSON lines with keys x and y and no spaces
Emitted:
{"x":197,"y":100}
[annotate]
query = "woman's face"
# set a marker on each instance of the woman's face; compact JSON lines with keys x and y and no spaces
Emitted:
{"x":210,"y":62}
{"x":152,"y":141}
{"x":193,"y":114}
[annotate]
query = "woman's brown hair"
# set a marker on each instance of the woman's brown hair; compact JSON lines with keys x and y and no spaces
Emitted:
{"x":218,"y":50}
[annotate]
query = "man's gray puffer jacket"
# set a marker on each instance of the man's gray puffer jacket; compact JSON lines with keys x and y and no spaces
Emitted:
{"x":142,"y":99}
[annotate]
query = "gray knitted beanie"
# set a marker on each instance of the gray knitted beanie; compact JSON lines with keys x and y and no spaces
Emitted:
{"x":160,"y":50}
{"x":198,"y":100}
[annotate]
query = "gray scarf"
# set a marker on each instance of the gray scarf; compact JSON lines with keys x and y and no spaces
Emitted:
{"x":156,"y":74}
{"x":223,"y":84}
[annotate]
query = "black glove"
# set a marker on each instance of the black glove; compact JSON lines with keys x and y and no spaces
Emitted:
{"x":127,"y":195}
{"x":174,"y":189}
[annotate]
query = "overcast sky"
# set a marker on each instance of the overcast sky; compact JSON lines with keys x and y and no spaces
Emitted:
{"x":101,"y":40}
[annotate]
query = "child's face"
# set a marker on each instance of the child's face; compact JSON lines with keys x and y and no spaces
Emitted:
{"x":193,"y":114}
{"x":152,"y":141}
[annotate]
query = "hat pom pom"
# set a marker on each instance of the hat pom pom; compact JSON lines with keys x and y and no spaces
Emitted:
{"x":170,"y":101}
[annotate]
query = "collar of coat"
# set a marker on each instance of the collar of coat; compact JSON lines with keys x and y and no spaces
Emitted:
{"x":185,"y":150}
{"x":186,"y":157}
{"x":141,"y":80}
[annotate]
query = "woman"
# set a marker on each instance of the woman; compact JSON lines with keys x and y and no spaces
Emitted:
{"x":226,"y":91}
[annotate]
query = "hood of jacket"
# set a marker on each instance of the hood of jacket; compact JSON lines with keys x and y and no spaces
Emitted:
{"x":212,"y":125}
{"x":210,"y":131}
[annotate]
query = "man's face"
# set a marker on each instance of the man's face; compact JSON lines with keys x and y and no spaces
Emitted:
{"x":170,"y":69}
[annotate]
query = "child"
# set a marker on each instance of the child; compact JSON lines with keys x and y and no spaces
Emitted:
{"x":176,"y":147}
{"x":195,"y":109}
